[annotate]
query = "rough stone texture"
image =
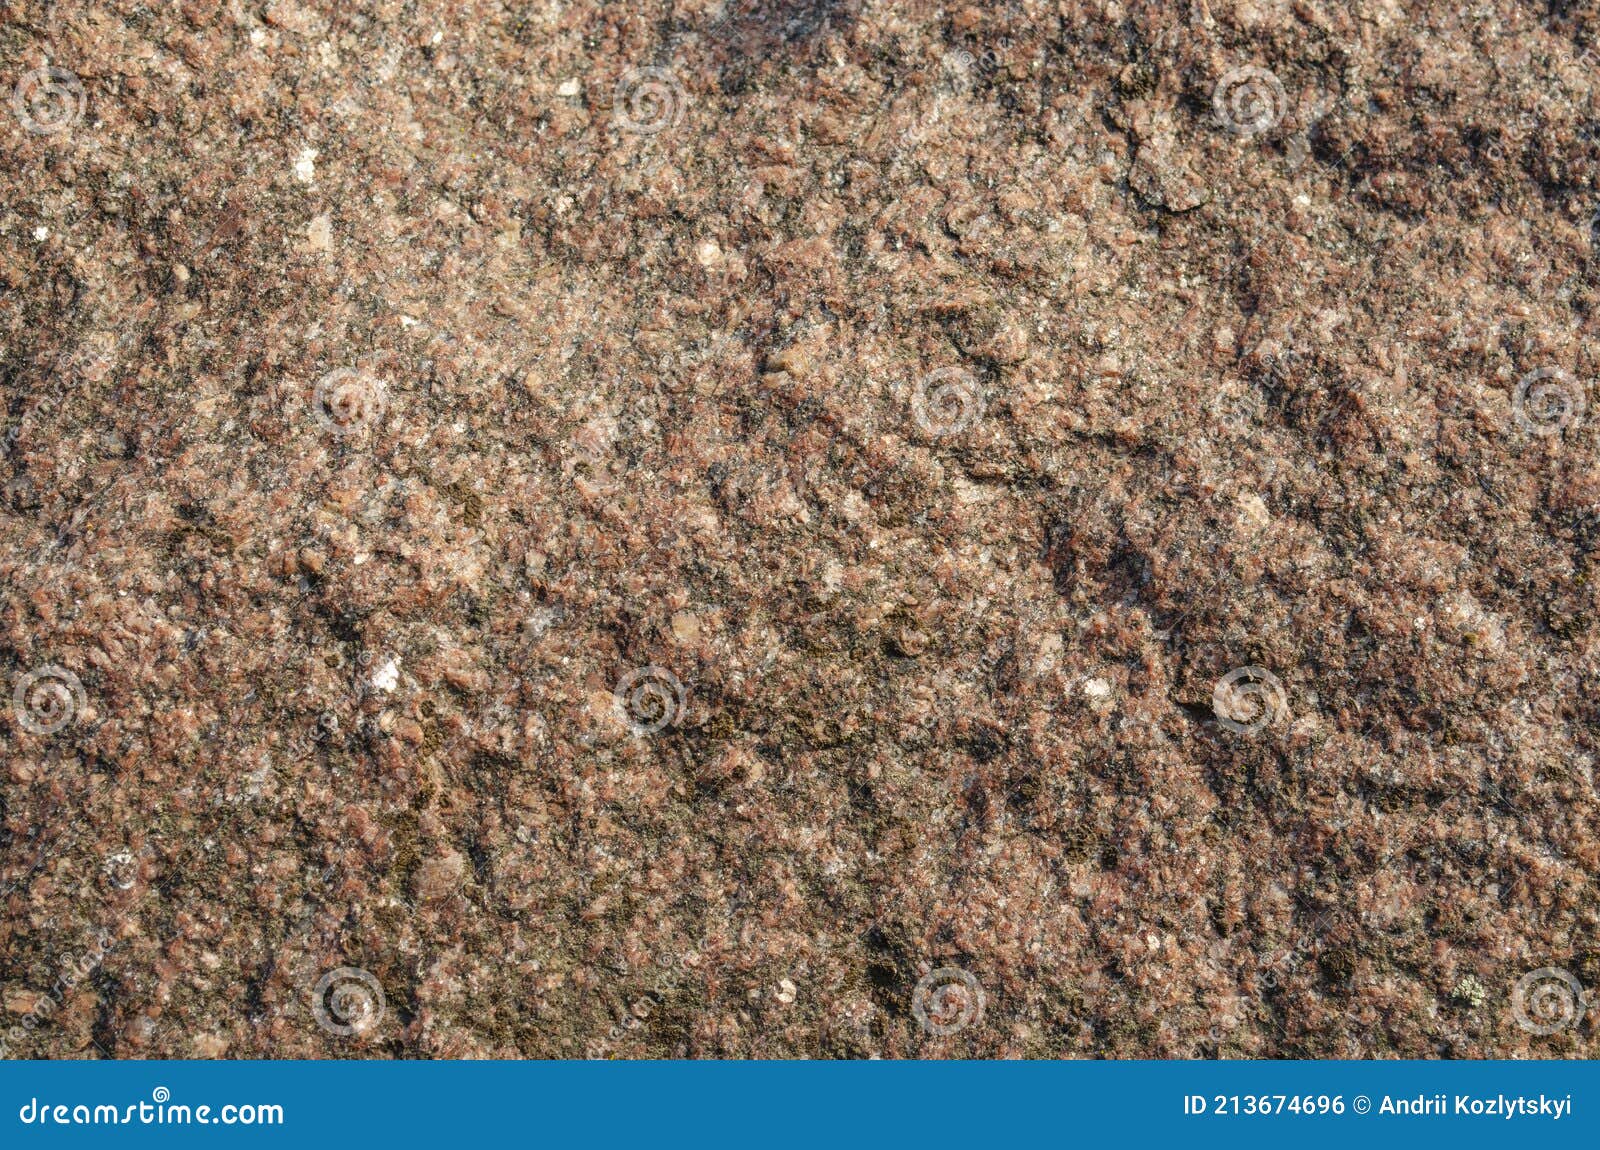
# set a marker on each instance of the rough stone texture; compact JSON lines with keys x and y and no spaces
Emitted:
{"x":380,"y":390}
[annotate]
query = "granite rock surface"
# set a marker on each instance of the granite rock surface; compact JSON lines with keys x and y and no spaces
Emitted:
{"x":827,"y":529}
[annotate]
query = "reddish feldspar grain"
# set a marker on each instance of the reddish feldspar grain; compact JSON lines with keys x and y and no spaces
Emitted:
{"x":918,"y":412}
